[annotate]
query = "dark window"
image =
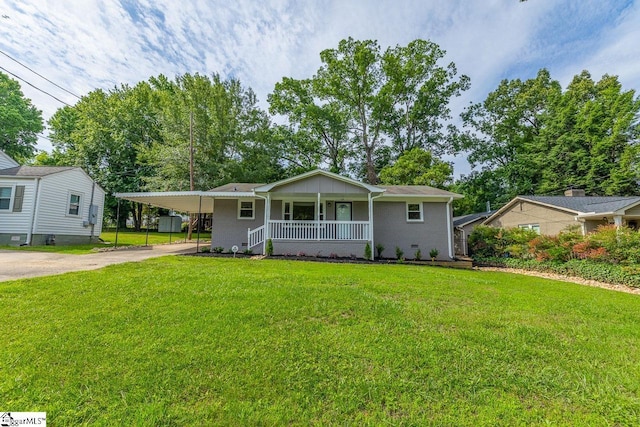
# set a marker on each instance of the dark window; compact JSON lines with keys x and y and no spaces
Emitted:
{"x":5,"y":198}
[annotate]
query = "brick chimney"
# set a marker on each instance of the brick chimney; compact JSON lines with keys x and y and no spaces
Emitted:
{"x":574,"y":192}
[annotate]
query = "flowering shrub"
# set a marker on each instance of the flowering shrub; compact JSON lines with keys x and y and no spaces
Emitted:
{"x":590,"y":256}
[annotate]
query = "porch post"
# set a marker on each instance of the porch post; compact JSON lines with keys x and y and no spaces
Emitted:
{"x":117,"y":222}
{"x":267,"y":218}
{"x":373,"y":249}
{"x":318,"y":218}
{"x":450,"y":228}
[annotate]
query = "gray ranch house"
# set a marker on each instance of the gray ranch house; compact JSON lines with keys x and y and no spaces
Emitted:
{"x":48,"y":204}
{"x":320,"y":213}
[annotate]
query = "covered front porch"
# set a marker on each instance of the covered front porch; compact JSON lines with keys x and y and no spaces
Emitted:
{"x":297,"y":223}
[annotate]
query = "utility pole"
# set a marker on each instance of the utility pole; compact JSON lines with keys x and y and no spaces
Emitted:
{"x":191,"y":184}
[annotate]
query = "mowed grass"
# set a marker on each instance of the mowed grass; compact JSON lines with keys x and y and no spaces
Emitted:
{"x":211,"y":341}
{"x":125,"y":238}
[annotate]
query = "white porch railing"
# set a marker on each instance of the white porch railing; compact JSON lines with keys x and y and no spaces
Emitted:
{"x":255,"y":237}
{"x":322,"y":230}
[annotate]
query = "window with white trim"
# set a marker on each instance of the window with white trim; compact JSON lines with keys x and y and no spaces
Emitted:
{"x":246,"y":209}
{"x":414,"y":212}
{"x":301,"y":211}
{"x":534,"y":227}
{"x":74,"y":204}
{"x":5,"y":198}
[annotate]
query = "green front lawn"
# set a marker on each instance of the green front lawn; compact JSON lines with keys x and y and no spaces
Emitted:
{"x":125,"y":238}
{"x":212,"y":341}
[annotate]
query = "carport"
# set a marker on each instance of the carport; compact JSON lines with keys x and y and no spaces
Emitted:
{"x":189,"y":202}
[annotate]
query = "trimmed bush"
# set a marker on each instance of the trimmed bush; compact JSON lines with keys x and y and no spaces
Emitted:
{"x":367,"y":251}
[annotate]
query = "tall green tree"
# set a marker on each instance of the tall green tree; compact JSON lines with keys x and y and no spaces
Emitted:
{"x":531,"y":137}
{"x":105,"y":134}
{"x":226,"y":126}
{"x":20,"y":121}
{"x":361,"y":99}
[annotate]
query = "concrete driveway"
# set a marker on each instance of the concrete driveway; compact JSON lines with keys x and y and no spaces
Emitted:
{"x":22,"y":264}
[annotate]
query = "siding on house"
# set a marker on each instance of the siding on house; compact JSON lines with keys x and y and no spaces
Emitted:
{"x":228,"y":230}
{"x":633,"y":211}
{"x":319,"y":184}
{"x":17,"y":223}
{"x":52,"y":212}
{"x":552,"y":221}
{"x":6,"y":161}
{"x":392,"y":229}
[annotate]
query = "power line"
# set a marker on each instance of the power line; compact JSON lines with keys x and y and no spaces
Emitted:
{"x":38,"y":74}
{"x":35,"y":87}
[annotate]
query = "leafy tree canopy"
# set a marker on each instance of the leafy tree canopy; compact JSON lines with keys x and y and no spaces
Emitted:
{"x":533,"y":137}
{"x":361,"y":99}
{"x":20,"y":121}
{"x":418,"y":167}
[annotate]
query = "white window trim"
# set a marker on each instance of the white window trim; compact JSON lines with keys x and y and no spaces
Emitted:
{"x":421,"y":210}
{"x":81,"y":199}
{"x":530,"y":227}
{"x":11,"y":197}
{"x":323,"y":203}
{"x":253,"y":209}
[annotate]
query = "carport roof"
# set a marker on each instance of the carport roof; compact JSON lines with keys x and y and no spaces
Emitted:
{"x":182,"y":201}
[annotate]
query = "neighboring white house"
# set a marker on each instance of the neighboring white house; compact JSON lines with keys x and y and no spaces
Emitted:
{"x":48,"y":204}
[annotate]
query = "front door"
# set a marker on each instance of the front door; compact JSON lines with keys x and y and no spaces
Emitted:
{"x":343,"y":213}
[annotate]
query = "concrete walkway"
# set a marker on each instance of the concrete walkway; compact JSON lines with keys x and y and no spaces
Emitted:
{"x":22,"y":264}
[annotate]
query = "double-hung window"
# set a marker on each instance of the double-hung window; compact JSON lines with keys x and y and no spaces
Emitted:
{"x":246,"y":209}
{"x":414,"y":212}
{"x":74,"y":204}
{"x":5,"y":198}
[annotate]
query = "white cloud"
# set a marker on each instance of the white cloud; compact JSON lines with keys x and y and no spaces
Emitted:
{"x":90,"y":44}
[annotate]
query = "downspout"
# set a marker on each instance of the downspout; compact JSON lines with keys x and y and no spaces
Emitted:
{"x":31,"y":230}
{"x":93,"y":226}
{"x":450,"y":228}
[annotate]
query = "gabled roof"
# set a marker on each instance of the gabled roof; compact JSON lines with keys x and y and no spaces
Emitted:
{"x":236,"y":187}
{"x":461,"y":221}
{"x":34,"y":171}
{"x":584,"y":204}
{"x":268,"y":187}
{"x":577,"y":205}
{"x":7,"y":160}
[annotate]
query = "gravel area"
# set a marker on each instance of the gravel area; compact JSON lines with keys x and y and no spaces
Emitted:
{"x":578,"y":280}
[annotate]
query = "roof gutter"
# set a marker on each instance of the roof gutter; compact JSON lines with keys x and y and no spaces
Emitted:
{"x":33,"y":212}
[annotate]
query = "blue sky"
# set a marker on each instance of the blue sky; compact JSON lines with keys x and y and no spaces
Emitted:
{"x":85,"y":44}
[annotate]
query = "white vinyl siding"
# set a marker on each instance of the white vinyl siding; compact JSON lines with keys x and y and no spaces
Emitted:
{"x":414,"y":212}
{"x":17,"y":222}
{"x":52,"y":214}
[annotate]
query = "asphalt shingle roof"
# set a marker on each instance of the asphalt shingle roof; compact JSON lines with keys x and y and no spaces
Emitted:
{"x":465,"y":219}
{"x":586,"y":204}
{"x":33,"y":171}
